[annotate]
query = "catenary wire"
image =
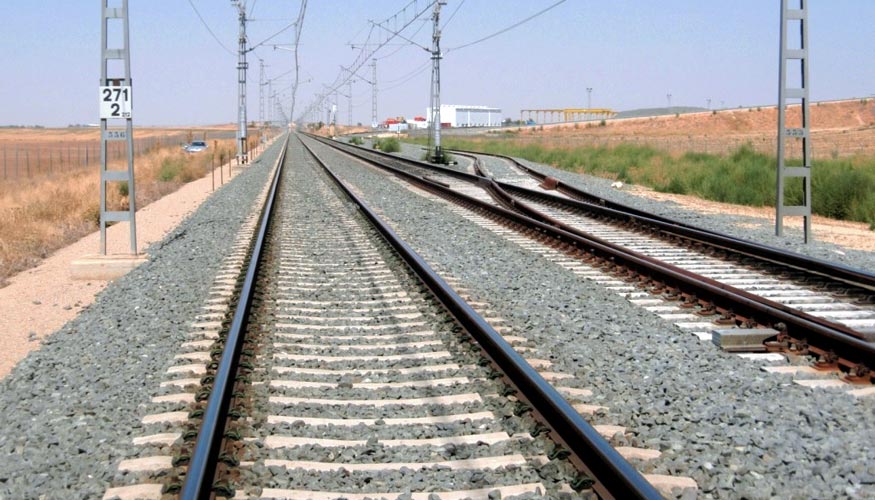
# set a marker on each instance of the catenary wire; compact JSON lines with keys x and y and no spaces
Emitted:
{"x":210,"y":30}
{"x":508,"y":28}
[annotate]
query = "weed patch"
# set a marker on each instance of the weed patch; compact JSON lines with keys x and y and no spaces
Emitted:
{"x":388,"y":145}
{"x":842,"y":189}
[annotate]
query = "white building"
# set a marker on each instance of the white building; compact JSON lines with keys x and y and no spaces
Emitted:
{"x":468,"y":116}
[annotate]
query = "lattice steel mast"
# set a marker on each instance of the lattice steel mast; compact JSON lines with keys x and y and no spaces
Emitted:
{"x":374,"y":117}
{"x":242,"y":66}
{"x":116,"y":99}
{"x":437,"y":155}
{"x":787,"y":54}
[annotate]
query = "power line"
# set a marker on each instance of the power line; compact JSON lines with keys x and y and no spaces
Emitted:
{"x":508,"y":28}
{"x":397,"y":82}
{"x":403,"y":46}
{"x":366,"y":53}
{"x":208,"y":28}
{"x":453,"y":14}
{"x":259,"y":44}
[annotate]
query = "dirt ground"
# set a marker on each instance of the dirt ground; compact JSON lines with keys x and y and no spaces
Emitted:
{"x":854,"y":235}
{"x":838,"y":129}
{"x":41,"y":300}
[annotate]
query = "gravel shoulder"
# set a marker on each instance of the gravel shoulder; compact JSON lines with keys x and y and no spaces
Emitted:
{"x":740,"y":432}
{"x":71,"y":407}
{"x":41,"y":300}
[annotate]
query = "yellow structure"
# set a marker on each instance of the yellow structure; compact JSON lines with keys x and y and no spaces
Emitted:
{"x":565,"y":114}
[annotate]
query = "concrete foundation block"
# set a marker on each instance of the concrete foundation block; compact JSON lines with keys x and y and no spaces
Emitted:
{"x":104,"y":267}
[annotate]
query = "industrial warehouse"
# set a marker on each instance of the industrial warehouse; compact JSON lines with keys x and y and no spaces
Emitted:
{"x":455,"y":115}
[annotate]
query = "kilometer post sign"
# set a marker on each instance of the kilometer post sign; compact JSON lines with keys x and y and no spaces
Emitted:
{"x":115,"y":102}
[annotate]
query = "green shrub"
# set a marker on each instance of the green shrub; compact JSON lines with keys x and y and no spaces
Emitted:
{"x":178,"y":169}
{"x":92,"y":215}
{"x":842,"y":188}
{"x":356,"y":140}
{"x":123,"y":188}
{"x":170,"y":168}
{"x":674,"y":186}
{"x":388,"y":145}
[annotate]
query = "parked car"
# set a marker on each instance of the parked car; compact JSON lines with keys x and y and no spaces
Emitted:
{"x":196,"y":147}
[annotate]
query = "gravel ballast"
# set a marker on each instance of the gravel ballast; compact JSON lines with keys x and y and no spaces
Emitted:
{"x":715,"y":416}
{"x":71,"y":408}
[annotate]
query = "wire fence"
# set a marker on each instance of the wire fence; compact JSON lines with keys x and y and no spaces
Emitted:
{"x":28,"y":159}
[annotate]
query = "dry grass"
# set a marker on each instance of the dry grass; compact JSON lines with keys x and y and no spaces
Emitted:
{"x":839,"y":129}
{"x":42,"y":214}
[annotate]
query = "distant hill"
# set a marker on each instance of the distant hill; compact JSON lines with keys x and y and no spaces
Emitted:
{"x":644,"y":112}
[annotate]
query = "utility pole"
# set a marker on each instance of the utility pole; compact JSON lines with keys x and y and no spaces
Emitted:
{"x":801,"y":132}
{"x":349,"y":83}
{"x":709,"y":103}
{"x":261,"y":92}
{"x":242,"y":66}
{"x":438,"y":155}
{"x":271,"y":98}
{"x":374,"y":93}
{"x":668,"y":97}
{"x":589,"y":98}
{"x":349,"y":103}
{"x":334,"y":113}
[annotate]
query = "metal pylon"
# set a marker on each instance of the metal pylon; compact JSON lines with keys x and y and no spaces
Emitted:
{"x":437,"y":154}
{"x":349,"y":102}
{"x":374,"y":117}
{"x":116,"y":104}
{"x":242,"y":66}
{"x":801,"y":132}
{"x":261,"y":84}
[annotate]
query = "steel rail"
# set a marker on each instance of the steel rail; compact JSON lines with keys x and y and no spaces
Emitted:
{"x":202,"y":466}
{"x":586,"y":201}
{"x":593,"y":204}
{"x":844,"y":341}
{"x":614,"y":476}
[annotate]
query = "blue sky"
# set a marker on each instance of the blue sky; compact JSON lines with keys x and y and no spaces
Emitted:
{"x":632,"y":53}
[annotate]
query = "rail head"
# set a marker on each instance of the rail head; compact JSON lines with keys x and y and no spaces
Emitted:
{"x":587,"y":201}
{"x":852,"y":350}
{"x":615,"y":477}
{"x":202,"y":466}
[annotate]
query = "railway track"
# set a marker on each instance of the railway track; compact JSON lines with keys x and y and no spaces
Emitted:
{"x":346,"y":368}
{"x":755,"y":297}
{"x":357,"y":381}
